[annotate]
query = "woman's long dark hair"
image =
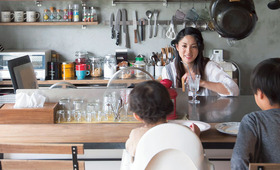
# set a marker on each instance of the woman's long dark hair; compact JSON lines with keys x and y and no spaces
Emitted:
{"x":199,"y":62}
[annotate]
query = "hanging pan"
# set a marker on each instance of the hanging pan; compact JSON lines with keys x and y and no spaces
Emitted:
{"x":233,"y":19}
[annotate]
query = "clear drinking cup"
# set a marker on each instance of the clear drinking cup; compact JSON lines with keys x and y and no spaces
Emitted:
{"x":60,"y":116}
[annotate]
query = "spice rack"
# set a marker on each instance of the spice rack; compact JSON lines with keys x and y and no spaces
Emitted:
{"x":84,"y":24}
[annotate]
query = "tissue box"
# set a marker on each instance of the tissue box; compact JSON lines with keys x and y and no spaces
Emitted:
{"x":44,"y":115}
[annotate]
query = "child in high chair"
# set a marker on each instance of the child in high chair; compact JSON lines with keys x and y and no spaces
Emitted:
{"x":150,"y":103}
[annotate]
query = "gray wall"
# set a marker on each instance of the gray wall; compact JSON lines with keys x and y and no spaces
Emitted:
{"x":263,"y":43}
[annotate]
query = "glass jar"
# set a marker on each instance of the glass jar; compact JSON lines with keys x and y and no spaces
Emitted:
{"x":140,"y":64}
{"x":67,"y":69}
{"x":125,"y":73}
{"x":96,"y":67}
{"x":81,"y":57}
{"x":110,"y":65}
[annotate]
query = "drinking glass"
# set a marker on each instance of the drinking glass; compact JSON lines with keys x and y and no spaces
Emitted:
{"x":193,"y":83}
{"x":124,"y":96}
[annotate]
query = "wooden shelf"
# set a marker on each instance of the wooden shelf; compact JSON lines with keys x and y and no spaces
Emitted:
{"x":86,"y":81}
{"x":45,"y":23}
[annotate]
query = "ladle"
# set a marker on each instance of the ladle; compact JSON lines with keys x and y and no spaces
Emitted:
{"x":274,"y":5}
{"x":149,"y":14}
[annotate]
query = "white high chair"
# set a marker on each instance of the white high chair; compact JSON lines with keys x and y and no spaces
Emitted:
{"x":170,"y":146}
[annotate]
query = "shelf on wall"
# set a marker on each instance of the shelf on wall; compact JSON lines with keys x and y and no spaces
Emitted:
{"x":46,"y":23}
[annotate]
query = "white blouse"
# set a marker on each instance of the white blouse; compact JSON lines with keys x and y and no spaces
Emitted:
{"x":213,"y":73}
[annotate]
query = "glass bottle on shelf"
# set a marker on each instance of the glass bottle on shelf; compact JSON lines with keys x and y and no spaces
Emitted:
{"x":84,"y":16}
{"x":46,"y":15}
{"x":93,"y":14}
{"x":52,"y":15}
{"x":70,"y":13}
{"x":88,"y":16}
{"x":65,"y":15}
{"x":76,"y":14}
{"x":58,"y":15}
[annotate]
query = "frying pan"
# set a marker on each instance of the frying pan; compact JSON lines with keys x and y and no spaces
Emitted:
{"x":234,"y":19}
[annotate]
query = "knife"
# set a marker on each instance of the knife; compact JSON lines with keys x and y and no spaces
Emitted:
{"x":112,"y":25}
{"x":142,"y":21}
{"x":125,"y":30}
{"x":118,"y":26}
{"x":135,"y":26}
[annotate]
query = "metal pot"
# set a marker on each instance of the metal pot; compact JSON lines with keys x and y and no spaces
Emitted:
{"x":234,"y":19}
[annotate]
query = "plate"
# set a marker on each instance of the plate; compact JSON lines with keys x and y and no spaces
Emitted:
{"x":202,"y":125}
{"x":230,"y":128}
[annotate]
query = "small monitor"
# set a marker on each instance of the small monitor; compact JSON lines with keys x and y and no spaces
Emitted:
{"x":22,"y":73}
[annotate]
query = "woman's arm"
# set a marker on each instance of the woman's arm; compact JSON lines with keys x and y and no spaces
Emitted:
{"x":216,"y":87}
{"x":219,"y":81}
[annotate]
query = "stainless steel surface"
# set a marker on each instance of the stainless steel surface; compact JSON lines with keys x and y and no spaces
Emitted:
{"x":135,"y":26}
{"x":118,"y":26}
{"x":125,"y":30}
{"x":149,"y":15}
{"x":112,"y":19}
{"x":213,"y":109}
{"x":156,"y":12}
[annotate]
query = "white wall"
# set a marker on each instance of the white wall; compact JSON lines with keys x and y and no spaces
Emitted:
{"x":263,"y":43}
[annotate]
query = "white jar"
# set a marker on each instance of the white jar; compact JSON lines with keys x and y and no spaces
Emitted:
{"x":140,"y":64}
{"x":110,"y":65}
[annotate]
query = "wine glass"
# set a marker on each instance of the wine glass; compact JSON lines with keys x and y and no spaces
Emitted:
{"x":193,"y":83}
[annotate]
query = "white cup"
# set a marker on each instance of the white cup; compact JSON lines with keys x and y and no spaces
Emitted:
{"x":32,"y":16}
{"x":158,"y":71}
{"x":7,"y":16}
{"x":20,"y":16}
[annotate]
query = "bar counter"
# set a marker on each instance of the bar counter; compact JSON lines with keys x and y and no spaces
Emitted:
{"x":212,"y":110}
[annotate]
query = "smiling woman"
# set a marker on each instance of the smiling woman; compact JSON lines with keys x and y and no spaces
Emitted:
{"x":189,"y":60}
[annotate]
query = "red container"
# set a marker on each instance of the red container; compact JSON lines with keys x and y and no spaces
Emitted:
{"x":173,"y":94}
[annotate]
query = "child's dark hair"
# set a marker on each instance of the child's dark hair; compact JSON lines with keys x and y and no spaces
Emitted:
{"x":266,"y":77}
{"x":150,"y":100}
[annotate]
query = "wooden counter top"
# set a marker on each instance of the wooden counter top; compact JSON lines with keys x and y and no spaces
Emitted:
{"x":86,"y":133}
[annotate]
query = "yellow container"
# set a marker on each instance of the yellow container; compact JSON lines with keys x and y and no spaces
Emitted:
{"x":67,"y":69}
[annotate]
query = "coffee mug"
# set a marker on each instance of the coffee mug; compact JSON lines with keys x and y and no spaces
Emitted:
{"x":7,"y":16}
{"x":81,"y":67}
{"x":32,"y":16}
{"x":81,"y":74}
{"x":20,"y":16}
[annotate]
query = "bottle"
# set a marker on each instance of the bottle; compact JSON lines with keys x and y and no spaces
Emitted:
{"x":52,"y":15}
{"x":70,"y":13}
{"x":89,"y":16}
{"x":110,"y":65}
{"x":93,"y":14}
{"x":76,"y":16}
{"x":140,"y":64}
{"x":84,"y":17}
{"x":58,"y":15}
{"x":46,"y":15}
{"x":65,"y":15}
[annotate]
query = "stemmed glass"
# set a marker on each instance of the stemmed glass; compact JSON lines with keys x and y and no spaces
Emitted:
{"x":193,"y":83}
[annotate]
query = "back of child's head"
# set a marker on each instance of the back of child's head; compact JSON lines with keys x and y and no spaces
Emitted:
{"x":150,"y":100}
{"x":266,"y":78}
